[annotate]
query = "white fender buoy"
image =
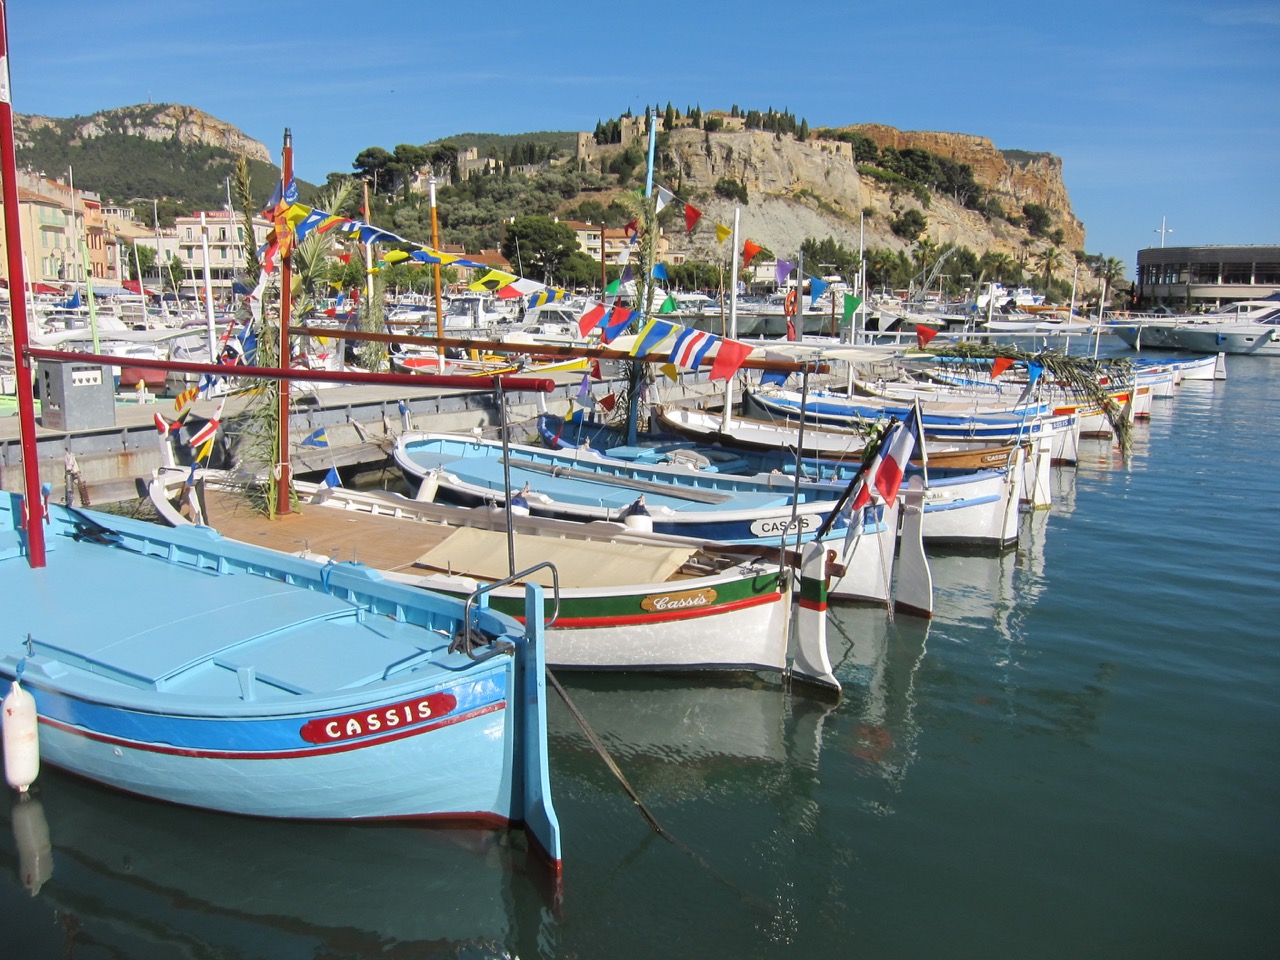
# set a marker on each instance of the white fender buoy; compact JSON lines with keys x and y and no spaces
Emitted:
{"x":427,"y":490}
{"x":21,"y":738}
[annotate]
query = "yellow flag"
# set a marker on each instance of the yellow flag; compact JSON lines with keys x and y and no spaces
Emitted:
{"x":493,"y":280}
{"x":722,"y":233}
{"x":669,"y":371}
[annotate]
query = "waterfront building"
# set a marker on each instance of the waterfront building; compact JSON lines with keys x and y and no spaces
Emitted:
{"x":64,"y":234}
{"x":184,"y":246}
{"x":1193,"y":278}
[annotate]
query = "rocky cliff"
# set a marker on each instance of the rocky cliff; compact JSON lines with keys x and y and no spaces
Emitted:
{"x":157,"y":122}
{"x":797,"y":189}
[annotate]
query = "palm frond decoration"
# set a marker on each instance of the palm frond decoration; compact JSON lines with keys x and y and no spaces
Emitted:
{"x":1079,"y":377}
{"x":244,"y":196}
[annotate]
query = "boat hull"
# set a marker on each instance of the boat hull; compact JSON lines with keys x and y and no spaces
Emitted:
{"x":185,"y":667}
{"x":261,"y":767}
{"x":583,"y":486}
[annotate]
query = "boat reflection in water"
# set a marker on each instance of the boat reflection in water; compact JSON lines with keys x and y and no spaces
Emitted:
{"x":878,"y":665}
{"x":144,"y":879}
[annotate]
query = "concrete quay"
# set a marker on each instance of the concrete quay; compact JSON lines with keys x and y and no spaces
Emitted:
{"x":360,"y":422}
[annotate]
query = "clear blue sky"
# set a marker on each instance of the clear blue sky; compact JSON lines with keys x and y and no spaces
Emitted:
{"x":1157,"y":109}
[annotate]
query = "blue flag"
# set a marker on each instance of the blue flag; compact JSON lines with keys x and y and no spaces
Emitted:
{"x":331,"y":479}
{"x":317,"y":439}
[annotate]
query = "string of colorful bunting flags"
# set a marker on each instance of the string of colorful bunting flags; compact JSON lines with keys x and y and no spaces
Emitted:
{"x":294,"y":221}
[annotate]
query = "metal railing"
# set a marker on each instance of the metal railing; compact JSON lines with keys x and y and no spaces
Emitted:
{"x":464,"y":642}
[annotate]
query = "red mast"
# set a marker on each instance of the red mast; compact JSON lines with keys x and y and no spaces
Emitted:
{"x":284,"y":482}
{"x":33,"y":506}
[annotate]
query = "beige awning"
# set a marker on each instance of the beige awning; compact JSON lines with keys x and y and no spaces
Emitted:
{"x":482,"y":554}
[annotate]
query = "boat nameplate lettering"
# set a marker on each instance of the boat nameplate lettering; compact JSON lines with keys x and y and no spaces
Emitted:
{"x":349,"y":726}
{"x":684,"y":600}
{"x":776,"y":526}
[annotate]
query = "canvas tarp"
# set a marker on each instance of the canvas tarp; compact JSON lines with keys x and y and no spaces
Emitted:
{"x":482,"y":554}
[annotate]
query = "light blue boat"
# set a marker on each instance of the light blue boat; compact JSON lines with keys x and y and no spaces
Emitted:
{"x":583,"y":485}
{"x":182,"y":666}
{"x":842,"y":410}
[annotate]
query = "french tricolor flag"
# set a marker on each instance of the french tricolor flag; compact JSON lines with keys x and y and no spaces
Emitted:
{"x":893,"y":462}
{"x":884,"y":475}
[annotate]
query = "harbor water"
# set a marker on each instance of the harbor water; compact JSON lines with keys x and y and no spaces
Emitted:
{"x":1078,"y":756}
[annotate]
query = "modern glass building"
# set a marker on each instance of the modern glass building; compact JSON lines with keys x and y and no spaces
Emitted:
{"x":1194,"y":277}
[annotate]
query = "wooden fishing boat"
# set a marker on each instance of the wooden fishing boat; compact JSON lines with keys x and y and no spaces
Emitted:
{"x":183,"y":666}
{"x":628,"y":600}
{"x":1063,"y":430}
{"x":823,"y":443}
{"x":584,"y":486}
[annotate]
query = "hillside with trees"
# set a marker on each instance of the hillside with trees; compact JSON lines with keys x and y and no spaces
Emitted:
{"x":909,"y":198}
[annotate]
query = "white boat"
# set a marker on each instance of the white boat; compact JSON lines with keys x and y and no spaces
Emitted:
{"x":1002,"y":298}
{"x":1245,"y":327}
{"x":478,"y":311}
{"x":583,"y":485}
{"x":628,"y":600}
{"x":552,"y":324}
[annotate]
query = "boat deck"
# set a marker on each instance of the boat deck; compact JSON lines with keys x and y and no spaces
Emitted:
{"x":384,"y":543}
{"x":414,"y":547}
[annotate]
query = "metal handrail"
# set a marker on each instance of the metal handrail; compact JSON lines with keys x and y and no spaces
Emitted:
{"x":466,"y":645}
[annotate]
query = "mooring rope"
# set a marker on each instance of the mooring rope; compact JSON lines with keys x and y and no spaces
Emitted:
{"x":650,"y":819}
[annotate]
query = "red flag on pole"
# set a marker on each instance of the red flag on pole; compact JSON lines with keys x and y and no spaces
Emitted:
{"x":924,"y":335}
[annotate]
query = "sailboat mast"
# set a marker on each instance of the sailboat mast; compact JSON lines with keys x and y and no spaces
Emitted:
{"x":82,"y":249}
{"x":727,"y":412}
{"x":32,"y":508}
{"x":435,"y":267}
{"x":645,"y":281}
{"x":208,"y":289}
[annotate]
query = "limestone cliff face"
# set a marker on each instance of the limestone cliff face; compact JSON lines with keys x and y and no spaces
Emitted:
{"x":1018,"y":175}
{"x":156,"y":122}
{"x":814,"y":189}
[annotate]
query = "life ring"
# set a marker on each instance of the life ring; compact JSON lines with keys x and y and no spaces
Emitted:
{"x":791,"y":305}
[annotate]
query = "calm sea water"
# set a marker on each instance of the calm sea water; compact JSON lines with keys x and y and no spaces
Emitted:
{"x":1079,"y":756}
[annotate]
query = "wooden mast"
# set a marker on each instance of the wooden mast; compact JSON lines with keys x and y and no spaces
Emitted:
{"x":33,"y":508}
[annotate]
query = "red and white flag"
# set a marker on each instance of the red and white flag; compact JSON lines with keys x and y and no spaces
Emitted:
{"x":206,"y":433}
{"x":893,"y":463}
